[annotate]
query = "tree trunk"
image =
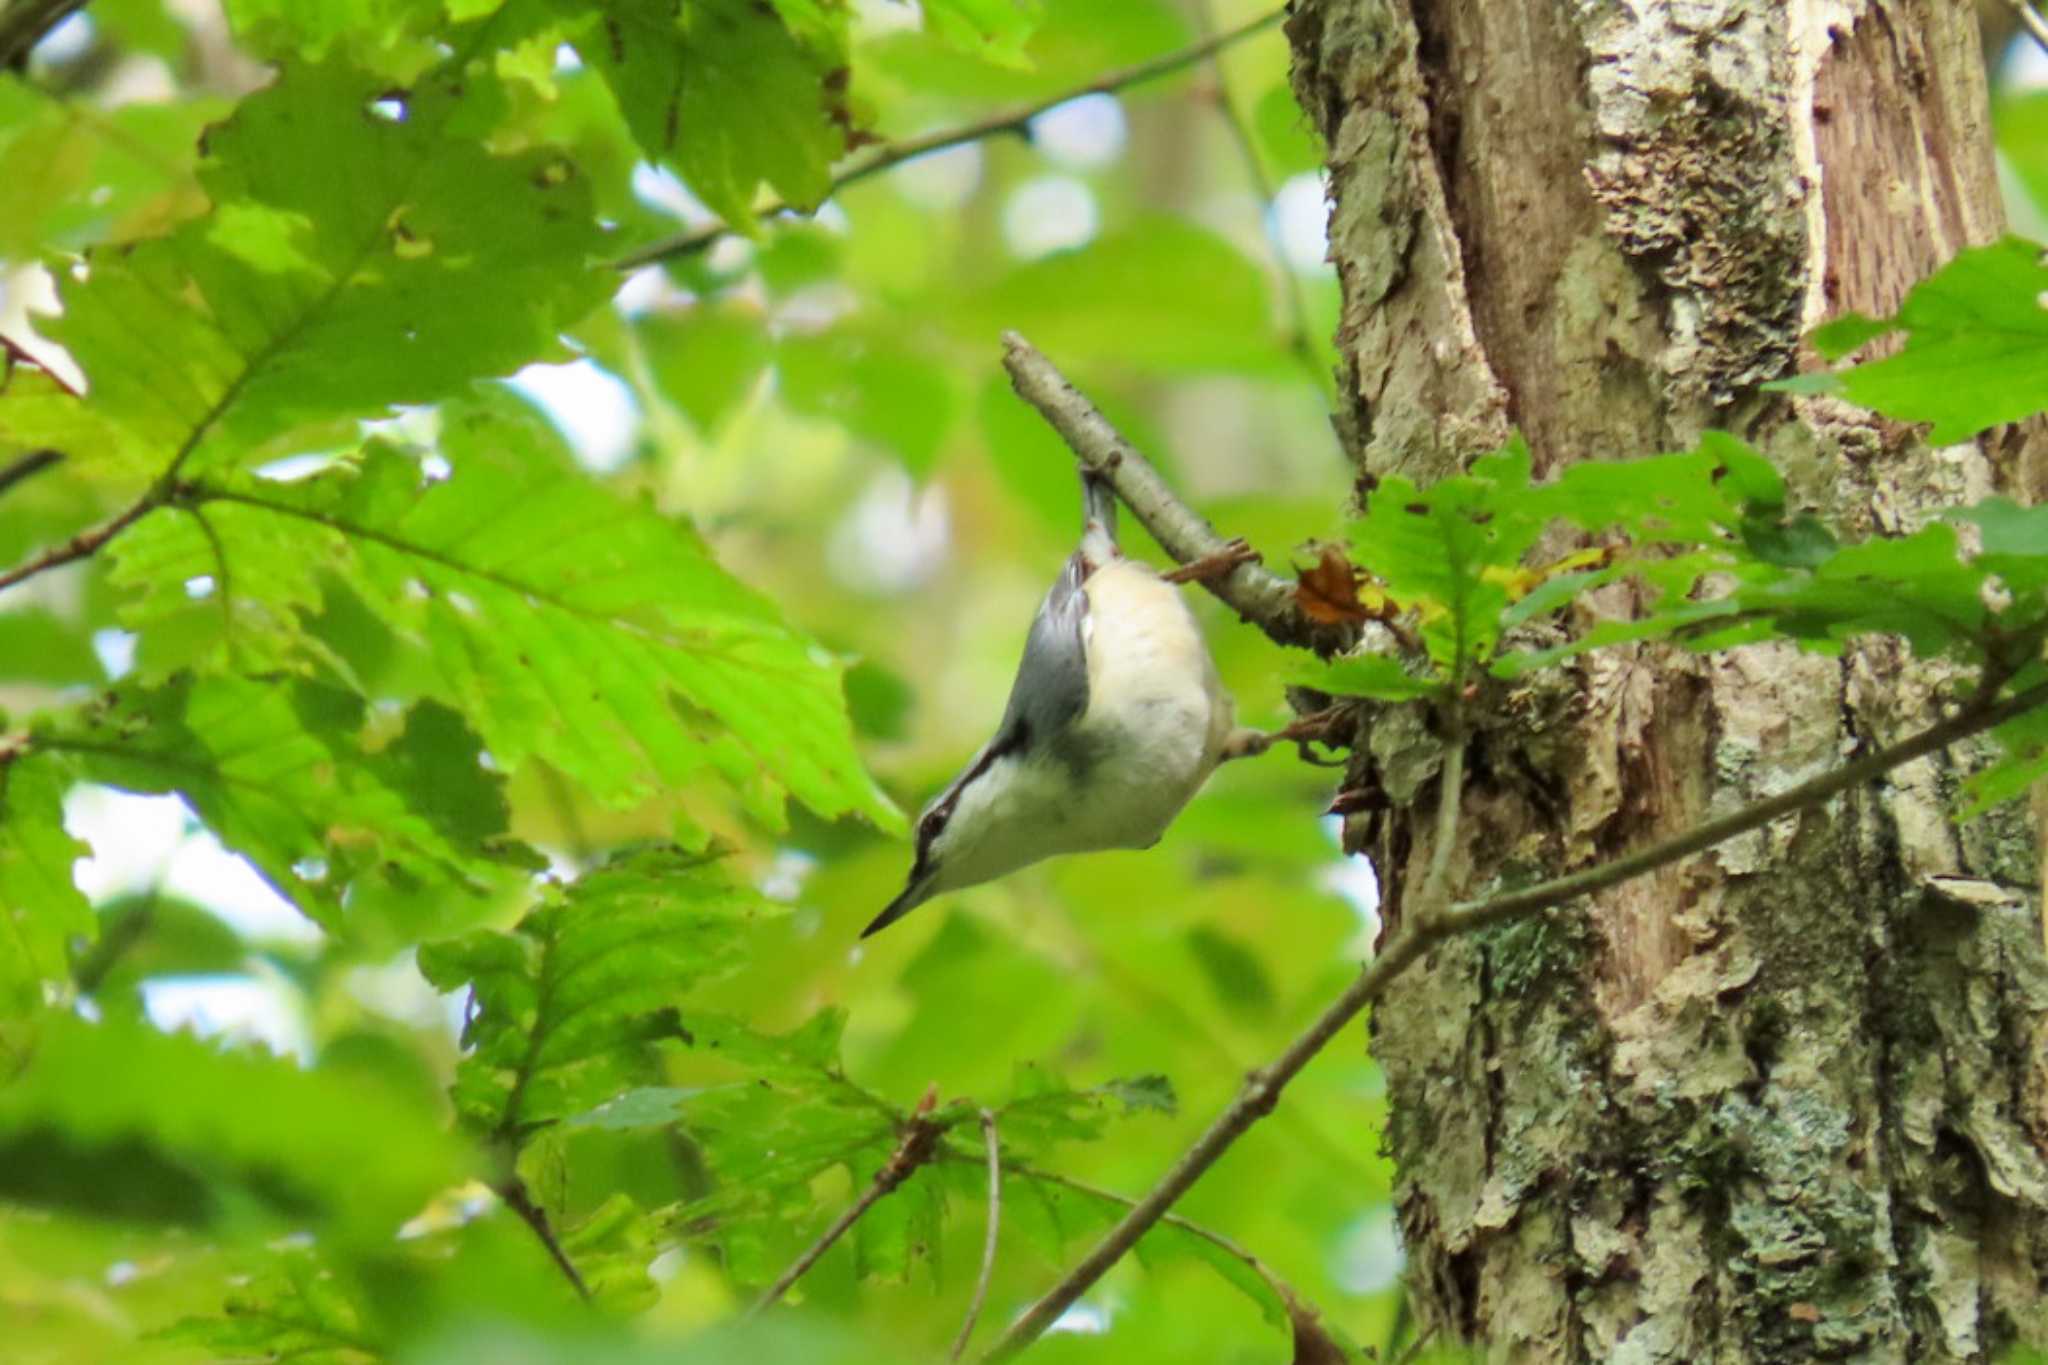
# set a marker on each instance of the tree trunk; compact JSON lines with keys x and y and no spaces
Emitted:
{"x":1787,"y":1100}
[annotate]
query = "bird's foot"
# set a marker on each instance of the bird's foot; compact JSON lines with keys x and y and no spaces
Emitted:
{"x":1316,"y":726}
{"x":1214,"y":565}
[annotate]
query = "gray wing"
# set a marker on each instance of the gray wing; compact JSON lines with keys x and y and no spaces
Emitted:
{"x":1051,"y":690}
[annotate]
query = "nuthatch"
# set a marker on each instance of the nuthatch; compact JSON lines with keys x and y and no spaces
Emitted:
{"x":1117,"y":717}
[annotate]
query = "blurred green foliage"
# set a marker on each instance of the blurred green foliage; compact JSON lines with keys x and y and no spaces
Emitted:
{"x":553,"y":711}
{"x":402,"y":668}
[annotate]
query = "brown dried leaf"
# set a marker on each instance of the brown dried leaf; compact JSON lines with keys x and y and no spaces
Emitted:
{"x":1327,"y":592}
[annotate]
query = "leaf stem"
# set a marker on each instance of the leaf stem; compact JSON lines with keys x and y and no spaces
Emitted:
{"x":1262,"y":1087}
{"x":516,"y":1198}
{"x":919,"y":1145}
{"x":1015,"y":119}
{"x":988,"y":1244}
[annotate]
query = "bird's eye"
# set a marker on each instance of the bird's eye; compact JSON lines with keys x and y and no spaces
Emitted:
{"x":929,"y":827}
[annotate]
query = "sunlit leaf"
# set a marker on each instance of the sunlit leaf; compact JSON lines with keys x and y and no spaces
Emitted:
{"x":41,"y":910}
{"x":1976,"y":351}
{"x":562,"y":1007}
{"x":724,"y":91}
{"x":359,"y":255}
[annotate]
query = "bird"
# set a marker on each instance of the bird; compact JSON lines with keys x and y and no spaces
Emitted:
{"x":1116,"y":719}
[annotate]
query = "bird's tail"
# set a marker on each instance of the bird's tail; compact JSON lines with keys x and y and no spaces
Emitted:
{"x":1098,"y":527}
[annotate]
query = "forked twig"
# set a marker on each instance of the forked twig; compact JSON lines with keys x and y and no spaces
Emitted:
{"x":988,"y":1244}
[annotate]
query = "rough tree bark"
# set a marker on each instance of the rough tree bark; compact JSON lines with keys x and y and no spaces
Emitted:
{"x":1789,"y":1100}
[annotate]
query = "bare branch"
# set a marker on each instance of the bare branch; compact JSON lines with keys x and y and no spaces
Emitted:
{"x":1254,"y":592}
{"x":1262,"y":1087}
{"x":86,"y":543}
{"x":25,"y":466}
{"x":1013,"y":120}
{"x":988,"y":1243}
{"x":2031,"y":20}
{"x":919,"y":1145}
{"x":516,"y":1198}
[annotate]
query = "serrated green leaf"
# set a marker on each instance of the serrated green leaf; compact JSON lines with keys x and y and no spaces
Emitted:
{"x":41,"y":910}
{"x":218,"y":1131}
{"x":563,"y":620}
{"x":1976,"y":351}
{"x":354,"y":260}
{"x":1045,"y":1110}
{"x":276,"y":772}
{"x":724,"y":91}
{"x":562,"y":1007}
{"x":295,"y":1311}
{"x":1443,"y":547}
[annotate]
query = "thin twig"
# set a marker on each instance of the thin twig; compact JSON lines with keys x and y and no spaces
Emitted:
{"x":23,"y":466}
{"x":1414,"y":1348}
{"x":1262,"y":1087}
{"x":1253,"y":591}
{"x":2031,"y":20}
{"x":988,"y":1242}
{"x":513,"y":1192}
{"x":919,"y":1145}
{"x":1282,"y":1290}
{"x":1012,"y":120}
{"x":86,"y":543}
{"x":27,"y":22}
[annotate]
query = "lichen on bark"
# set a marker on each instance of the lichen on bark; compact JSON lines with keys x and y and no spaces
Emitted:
{"x":1787,"y":1100}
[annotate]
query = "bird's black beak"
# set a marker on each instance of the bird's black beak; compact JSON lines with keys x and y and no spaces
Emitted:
{"x":914,"y":895}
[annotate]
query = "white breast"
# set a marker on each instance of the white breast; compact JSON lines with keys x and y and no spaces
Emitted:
{"x":1157,"y":712}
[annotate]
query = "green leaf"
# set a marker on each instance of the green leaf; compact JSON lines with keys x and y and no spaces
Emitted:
{"x":282,"y":29}
{"x":2024,"y":739}
{"x":77,"y":175}
{"x":1976,"y":353}
{"x":354,"y":260}
{"x":296,"y":1311}
{"x":1365,"y":675}
{"x":195,"y":1134}
{"x":563,"y":1007}
{"x":2014,"y":546}
{"x":564,"y":621}
{"x":1446,"y":547}
{"x":1046,"y":1110}
{"x":724,"y":91}
{"x":277,"y":772}
{"x":993,"y":30}
{"x":41,"y":910}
